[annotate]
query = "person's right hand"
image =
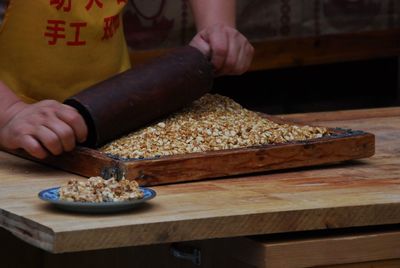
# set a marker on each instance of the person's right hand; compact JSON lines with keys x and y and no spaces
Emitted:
{"x":42,"y":128}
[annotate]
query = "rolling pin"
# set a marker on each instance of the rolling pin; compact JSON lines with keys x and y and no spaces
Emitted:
{"x":139,"y":96}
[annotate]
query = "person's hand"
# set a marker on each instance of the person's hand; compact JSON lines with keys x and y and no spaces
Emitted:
{"x":230,"y":52}
{"x":42,"y":128}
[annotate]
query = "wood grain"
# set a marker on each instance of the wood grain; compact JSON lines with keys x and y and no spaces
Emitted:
{"x":291,"y":52}
{"x":342,"y":115}
{"x":326,"y":49}
{"x":358,"y":193}
{"x":342,"y":145}
{"x":320,"y":251}
{"x":251,"y":160}
{"x":373,"y":264}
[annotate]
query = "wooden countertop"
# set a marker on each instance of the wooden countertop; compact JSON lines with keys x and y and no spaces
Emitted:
{"x":356,"y":193}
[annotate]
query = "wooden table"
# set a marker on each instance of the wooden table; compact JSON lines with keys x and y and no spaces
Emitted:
{"x":343,"y":195}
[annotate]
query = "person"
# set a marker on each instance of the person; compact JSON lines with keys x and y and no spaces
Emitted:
{"x":51,"y":49}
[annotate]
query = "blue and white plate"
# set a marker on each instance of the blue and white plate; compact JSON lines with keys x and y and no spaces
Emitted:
{"x":52,"y":196}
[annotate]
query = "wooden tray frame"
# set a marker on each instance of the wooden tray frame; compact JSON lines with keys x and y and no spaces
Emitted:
{"x":342,"y":145}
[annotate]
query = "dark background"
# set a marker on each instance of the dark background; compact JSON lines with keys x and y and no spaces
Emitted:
{"x":349,"y":85}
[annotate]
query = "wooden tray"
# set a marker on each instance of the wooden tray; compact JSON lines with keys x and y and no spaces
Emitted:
{"x":343,"y":144}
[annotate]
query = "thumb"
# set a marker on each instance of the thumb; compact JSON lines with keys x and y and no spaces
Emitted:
{"x":201,"y":44}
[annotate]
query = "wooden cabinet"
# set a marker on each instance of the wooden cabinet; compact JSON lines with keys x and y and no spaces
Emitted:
{"x":348,"y":248}
{"x":329,"y":249}
{"x":320,"y":251}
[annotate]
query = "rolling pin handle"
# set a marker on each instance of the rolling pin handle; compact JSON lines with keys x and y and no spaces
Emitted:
{"x":122,"y":103}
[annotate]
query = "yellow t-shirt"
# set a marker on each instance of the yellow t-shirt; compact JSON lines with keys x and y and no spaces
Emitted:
{"x":52,"y":49}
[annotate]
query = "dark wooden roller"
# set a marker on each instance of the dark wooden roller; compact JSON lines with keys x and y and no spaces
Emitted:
{"x":140,"y":95}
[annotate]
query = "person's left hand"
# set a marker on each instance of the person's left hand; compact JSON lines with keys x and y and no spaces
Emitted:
{"x":230,"y":52}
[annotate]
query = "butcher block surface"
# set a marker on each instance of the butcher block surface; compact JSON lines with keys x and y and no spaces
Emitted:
{"x":354,"y":193}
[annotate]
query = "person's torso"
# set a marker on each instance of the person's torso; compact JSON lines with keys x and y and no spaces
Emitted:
{"x":52,"y":49}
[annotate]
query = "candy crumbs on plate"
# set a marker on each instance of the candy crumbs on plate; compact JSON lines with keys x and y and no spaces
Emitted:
{"x":97,"y":189}
{"x":97,"y":195}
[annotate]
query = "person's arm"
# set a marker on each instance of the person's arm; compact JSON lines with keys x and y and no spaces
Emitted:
{"x":40,"y":128}
{"x":9,"y":103}
{"x":217,"y":37}
{"x":210,"y":12}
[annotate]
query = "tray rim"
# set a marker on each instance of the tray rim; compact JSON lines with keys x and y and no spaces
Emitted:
{"x":339,"y":134}
{"x":106,"y":165}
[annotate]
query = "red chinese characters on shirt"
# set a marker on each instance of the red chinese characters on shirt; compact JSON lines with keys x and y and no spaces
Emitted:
{"x":111,"y":24}
{"x":90,"y":3}
{"x":77,"y":41}
{"x":56,"y":29}
{"x":64,"y":4}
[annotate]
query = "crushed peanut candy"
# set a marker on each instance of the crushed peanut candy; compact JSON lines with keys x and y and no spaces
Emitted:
{"x":213,"y":122}
{"x":97,"y":189}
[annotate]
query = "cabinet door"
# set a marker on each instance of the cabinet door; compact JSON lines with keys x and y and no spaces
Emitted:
{"x":330,"y":250}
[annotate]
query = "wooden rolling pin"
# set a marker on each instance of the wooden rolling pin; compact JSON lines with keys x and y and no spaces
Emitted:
{"x":137,"y":97}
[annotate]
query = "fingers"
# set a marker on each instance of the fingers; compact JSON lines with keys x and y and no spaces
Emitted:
{"x":32,"y":146}
{"x":244,"y":59}
{"x":64,"y":133}
{"x":201,"y":44}
{"x":231,"y":59}
{"x":41,"y":141}
{"x":47,"y":127}
{"x":61,"y":130}
{"x":67,"y":114}
{"x":54,"y":137}
{"x":219,"y":49}
{"x":75,"y":121}
{"x":231,"y":52}
{"x":48,"y":139}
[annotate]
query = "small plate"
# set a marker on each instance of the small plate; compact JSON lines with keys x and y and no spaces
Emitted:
{"x":52,"y":196}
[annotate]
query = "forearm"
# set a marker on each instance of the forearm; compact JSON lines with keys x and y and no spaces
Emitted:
{"x":217,"y":37}
{"x":210,"y":12}
{"x":8,"y":103}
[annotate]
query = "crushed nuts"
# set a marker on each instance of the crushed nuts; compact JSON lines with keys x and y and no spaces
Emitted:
{"x":213,"y":122}
{"x":97,"y":190}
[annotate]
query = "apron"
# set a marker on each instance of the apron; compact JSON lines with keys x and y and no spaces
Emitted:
{"x":52,"y":49}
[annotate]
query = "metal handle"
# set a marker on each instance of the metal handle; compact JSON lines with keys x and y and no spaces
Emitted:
{"x":190,"y":254}
{"x":112,"y":172}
